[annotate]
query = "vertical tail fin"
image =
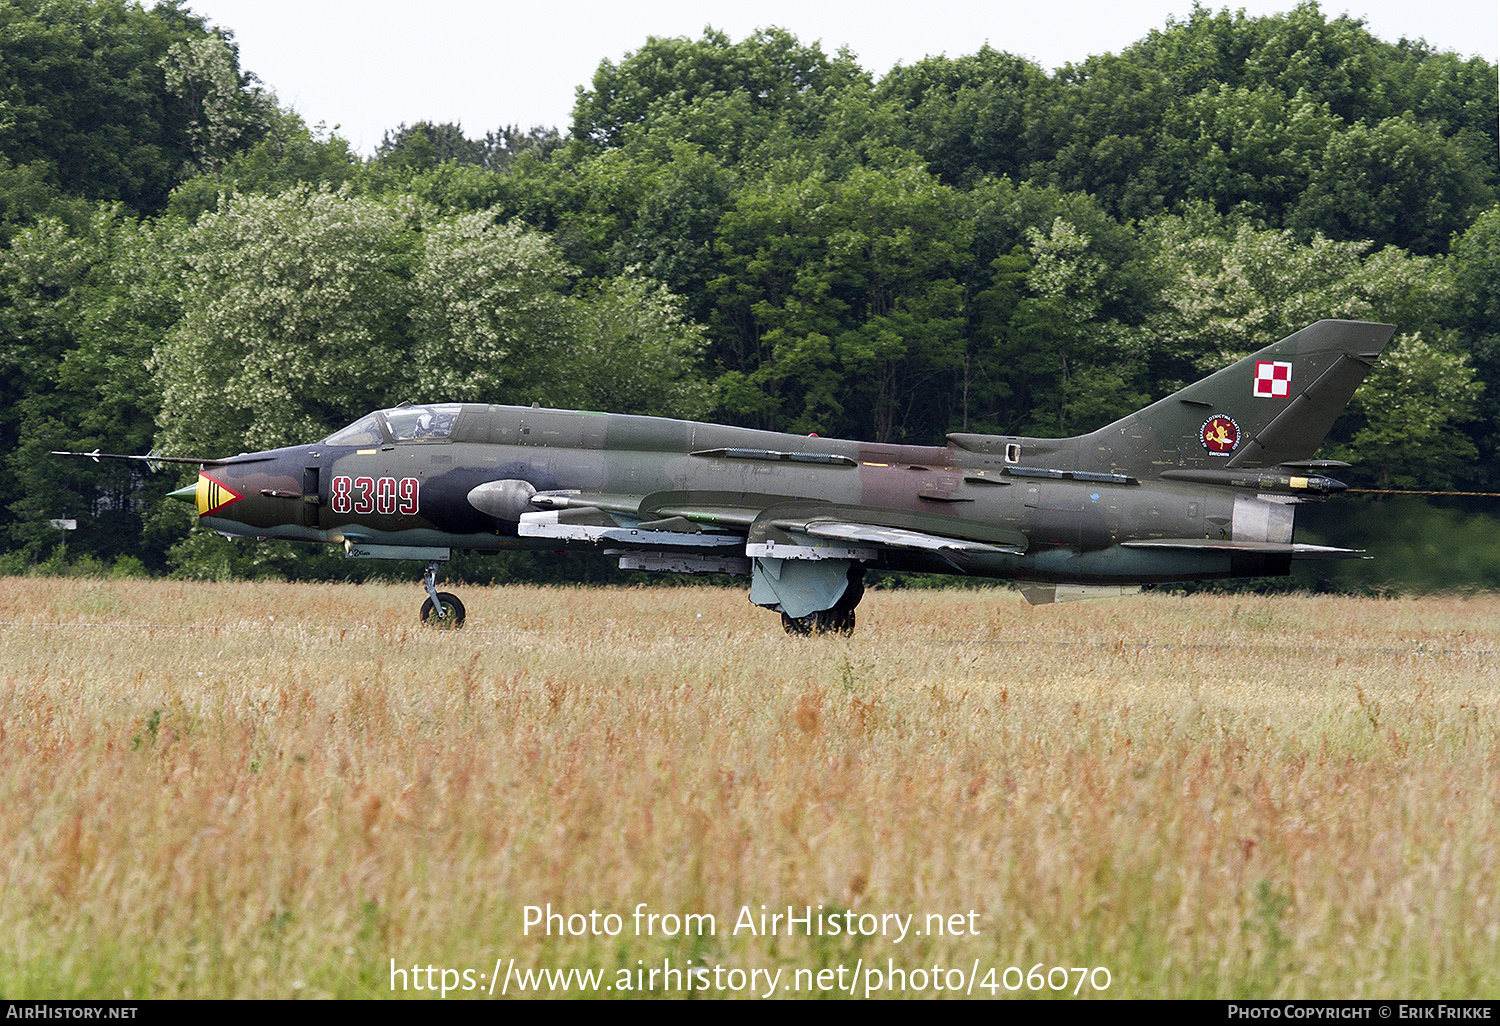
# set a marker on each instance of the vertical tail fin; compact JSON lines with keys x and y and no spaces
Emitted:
{"x":1275,"y":406}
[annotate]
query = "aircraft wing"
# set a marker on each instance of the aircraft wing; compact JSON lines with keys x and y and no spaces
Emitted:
{"x":716,"y":520}
{"x":893,"y":537}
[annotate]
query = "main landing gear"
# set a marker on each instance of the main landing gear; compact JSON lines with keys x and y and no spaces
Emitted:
{"x":442,"y":611}
{"x":839,"y":619}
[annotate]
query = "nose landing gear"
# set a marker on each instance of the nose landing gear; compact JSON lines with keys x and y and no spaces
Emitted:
{"x":442,"y":611}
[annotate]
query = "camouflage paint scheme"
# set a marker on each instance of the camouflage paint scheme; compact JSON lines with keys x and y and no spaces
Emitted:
{"x":1200,"y":485}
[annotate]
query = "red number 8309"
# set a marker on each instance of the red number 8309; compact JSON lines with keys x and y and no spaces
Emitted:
{"x":365,"y":495}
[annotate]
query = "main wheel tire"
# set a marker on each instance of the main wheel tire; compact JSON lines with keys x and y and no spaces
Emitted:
{"x":825,"y":621}
{"x":452,"y":617}
{"x":839,"y":621}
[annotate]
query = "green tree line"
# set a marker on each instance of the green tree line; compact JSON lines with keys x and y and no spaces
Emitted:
{"x":754,"y":231}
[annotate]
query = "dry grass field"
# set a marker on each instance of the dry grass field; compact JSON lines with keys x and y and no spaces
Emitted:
{"x":274,"y":790}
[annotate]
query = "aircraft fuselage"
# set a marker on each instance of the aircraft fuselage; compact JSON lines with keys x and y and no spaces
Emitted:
{"x":413,"y":493}
{"x":1201,"y":484}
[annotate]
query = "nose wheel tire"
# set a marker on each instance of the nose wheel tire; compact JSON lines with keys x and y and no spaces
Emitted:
{"x":451,"y":617}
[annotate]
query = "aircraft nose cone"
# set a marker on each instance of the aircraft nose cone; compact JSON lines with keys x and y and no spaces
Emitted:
{"x":187,"y":494}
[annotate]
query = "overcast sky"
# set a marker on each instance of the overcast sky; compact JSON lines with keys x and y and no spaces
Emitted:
{"x":370,"y":65}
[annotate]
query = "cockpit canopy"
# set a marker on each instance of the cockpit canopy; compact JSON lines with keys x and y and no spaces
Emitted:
{"x":410,"y":423}
{"x":401,"y":424}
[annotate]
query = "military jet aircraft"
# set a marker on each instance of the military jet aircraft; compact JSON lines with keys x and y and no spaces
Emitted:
{"x":1199,"y":485}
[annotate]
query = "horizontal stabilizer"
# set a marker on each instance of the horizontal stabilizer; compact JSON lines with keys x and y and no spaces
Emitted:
{"x":1295,"y":550}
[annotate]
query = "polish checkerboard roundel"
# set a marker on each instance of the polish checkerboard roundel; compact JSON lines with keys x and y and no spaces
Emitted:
{"x":1273,"y":379}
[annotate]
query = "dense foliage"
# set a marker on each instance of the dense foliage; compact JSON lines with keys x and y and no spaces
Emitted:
{"x":756,"y":232}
